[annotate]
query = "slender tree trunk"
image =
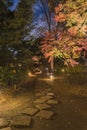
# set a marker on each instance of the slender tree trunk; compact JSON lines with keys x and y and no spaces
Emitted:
{"x":52,"y":64}
{"x":47,"y":13}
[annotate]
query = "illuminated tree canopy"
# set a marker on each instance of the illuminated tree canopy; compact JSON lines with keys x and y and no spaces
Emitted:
{"x":62,"y":33}
{"x":70,"y":36}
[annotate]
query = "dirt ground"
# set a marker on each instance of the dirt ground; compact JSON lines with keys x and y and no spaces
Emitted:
{"x":70,"y":112}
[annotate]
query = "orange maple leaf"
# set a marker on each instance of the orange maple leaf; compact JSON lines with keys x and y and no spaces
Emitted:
{"x":59,"y":8}
{"x":73,"y":30}
{"x":60,"y":18}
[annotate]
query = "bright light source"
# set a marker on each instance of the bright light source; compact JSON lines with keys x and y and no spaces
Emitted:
{"x":51,"y":76}
{"x":30,"y":74}
{"x":62,"y":70}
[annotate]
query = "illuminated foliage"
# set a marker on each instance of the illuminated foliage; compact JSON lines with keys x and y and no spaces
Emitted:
{"x":69,"y":38}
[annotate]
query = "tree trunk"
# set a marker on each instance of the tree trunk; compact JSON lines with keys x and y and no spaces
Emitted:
{"x":52,"y":64}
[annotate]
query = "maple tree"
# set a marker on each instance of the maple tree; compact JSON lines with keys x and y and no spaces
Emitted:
{"x":69,"y":38}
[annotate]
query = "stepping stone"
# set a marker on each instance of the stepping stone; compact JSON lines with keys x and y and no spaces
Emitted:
{"x":51,"y":94}
{"x":7,"y":128}
{"x":30,"y":111}
{"x":52,"y":102}
{"x":40,"y":101}
{"x":45,"y":114}
{"x":43,"y":106}
{"x":39,"y":94}
{"x":4,"y":123}
{"x":21,"y":121}
{"x":47,"y":97}
{"x":48,"y":89}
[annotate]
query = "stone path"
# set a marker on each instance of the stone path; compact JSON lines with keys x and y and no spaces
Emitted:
{"x":21,"y":121}
{"x":4,"y":122}
{"x":30,"y":111}
{"x":44,"y":114}
{"x":45,"y":100}
{"x":52,"y":102}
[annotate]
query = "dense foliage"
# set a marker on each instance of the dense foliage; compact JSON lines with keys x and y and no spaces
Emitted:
{"x":69,"y":38}
{"x":63,"y":26}
{"x":15,"y":53}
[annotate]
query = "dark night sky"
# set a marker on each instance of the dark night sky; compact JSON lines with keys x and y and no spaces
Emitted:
{"x":39,"y":21}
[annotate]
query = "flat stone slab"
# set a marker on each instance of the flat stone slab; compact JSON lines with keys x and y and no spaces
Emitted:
{"x":43,"y":106}
{"x":7,"y":128}
{"x":40,"y":101}
{"x":48,"y":89}
{"x":45,"y":114}
{"x":51,"y":94}
{"x":4,"y":123}
{"x":21,"y":121}
{"x":47,"y":97}
{"x":30,"y":111}
{"x":39,"y":94}
{"x":52,"y":102}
